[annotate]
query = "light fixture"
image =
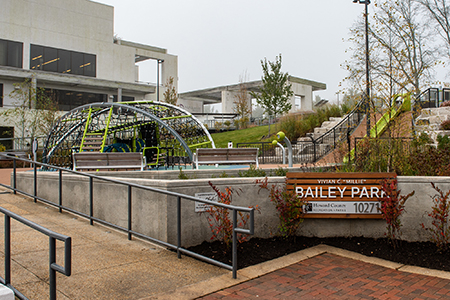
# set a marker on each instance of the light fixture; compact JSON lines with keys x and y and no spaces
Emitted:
{"x":367,"y":93}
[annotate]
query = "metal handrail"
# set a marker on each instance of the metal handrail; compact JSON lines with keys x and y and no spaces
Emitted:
{"x":129,"y":229}
{"x":335,"y":135}
{"x":341,"y":130}
{"x":53,"y":266}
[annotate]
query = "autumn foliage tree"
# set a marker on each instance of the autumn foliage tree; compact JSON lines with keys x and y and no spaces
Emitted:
{"x":242,"y":105}
{"x":402,"y":51}
{"x":34,"y":112}
{"x":170,"y":95}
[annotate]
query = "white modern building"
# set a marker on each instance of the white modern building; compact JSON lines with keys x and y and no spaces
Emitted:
{"x":302,"y":100}
{"x":68,"y":48}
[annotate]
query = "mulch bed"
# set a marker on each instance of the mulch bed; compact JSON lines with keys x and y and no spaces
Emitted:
{"x":257,"y":250}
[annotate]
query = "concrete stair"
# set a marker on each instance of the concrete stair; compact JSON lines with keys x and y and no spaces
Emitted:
{"x":327,"y":125}
{"x":429,"y":121}
{"x":92,"y":142}
{"x":308,"y":148}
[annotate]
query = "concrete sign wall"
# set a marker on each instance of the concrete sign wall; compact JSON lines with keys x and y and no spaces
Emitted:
{"x":155,"y":214}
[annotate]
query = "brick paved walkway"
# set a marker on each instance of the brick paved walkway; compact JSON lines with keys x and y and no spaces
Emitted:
{"x":329,"y":276}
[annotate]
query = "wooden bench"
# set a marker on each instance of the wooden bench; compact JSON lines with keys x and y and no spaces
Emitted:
{"x":108,"y":160}
{"x":226,"y":156}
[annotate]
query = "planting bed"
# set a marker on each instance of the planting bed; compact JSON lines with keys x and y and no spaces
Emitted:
{"x":423,"y":254}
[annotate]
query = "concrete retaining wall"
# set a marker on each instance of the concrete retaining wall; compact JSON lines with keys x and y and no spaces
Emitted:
{"x":154,"y":214}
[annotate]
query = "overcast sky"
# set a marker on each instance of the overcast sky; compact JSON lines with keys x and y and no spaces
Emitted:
{"x":217,"y":41}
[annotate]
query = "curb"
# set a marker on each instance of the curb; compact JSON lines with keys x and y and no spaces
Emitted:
{"x":225,"y":281}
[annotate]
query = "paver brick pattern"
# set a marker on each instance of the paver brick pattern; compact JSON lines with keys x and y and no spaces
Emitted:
{"x":329,"y":276}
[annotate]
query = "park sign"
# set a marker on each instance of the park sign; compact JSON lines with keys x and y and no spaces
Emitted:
{"x":339,"y":195}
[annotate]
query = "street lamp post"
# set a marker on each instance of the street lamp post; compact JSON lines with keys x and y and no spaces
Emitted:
{"x":366,"y":4}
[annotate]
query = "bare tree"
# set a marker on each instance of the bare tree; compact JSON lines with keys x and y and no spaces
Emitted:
{"x":439,"y":14}
{"x":401,"y":50}
{"x":241,"y":104}
{"x":405,"y":47}
{"x":34,"y":112}
{"x":170,"y":94}
{"x":402,"y":56}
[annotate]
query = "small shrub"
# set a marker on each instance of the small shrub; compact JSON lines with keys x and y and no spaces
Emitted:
{"x":346,"y":108}
{"x":392,"y":207}
{"x":440,"y":232}
{"x":295,"y":125}
{"x":289,"y":124}
{"x":252,"y":172}
{"x":281,"y":172}
{"x":223,"y":175}
{"x":289,"y":207}
{"x":182,"y":175}
{"x":220,"y":221}
{"x":443,"y":142}
{"x":218,"y":125}
{"x":445,"y":125}
{"x":2,"y":148}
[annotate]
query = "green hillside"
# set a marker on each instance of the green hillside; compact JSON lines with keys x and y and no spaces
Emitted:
{"x":253,"y":134}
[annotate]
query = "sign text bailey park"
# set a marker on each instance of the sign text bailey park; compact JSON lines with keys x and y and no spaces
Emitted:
{"x":339,"y":195}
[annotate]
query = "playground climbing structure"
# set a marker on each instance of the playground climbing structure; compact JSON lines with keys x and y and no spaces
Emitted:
{"x":157,"y":129}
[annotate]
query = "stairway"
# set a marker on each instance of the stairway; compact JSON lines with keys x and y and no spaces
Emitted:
{"x":92,"y":142}
{"x":326,"y":126}
{"x":326,"y":137}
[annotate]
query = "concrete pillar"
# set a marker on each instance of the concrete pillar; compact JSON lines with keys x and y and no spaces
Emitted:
{"x":119,"y":95}
{"x":169,"y":68}
{"x":228,"y":99}
{"x":306,"y":103}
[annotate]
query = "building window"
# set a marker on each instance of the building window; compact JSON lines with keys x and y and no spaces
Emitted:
{"x":124,"y":98}
{"x":68,"y":100}
{"x":11,"y":53}
{"x":62,"y":61}
{"x":7,"y":136}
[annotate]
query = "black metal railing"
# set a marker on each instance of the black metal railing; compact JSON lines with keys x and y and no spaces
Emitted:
{"x":270,"y":154}
{"x":313,"y":150}
{"x":433,"y":97}
{"x":129,"y":228}
{"x":53,"y":266}
{"x":329,"y":140}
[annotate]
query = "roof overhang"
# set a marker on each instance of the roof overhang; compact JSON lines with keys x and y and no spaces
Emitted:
{"x":316,"y":86}
{"x":65,"y":81}
{"x":214,"y":95}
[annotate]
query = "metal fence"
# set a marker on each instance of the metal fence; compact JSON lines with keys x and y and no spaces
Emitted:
{"x":129,"y":229}
{"x":53,"y":266}
{"x":303,"y":152}
{"x":22,"y":143}
{"x":433,"y":97}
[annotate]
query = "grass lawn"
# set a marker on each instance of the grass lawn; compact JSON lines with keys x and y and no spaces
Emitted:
{"x":254,"y":134}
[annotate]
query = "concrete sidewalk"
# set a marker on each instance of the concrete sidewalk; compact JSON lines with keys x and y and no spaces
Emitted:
{"x":106,"y":265}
